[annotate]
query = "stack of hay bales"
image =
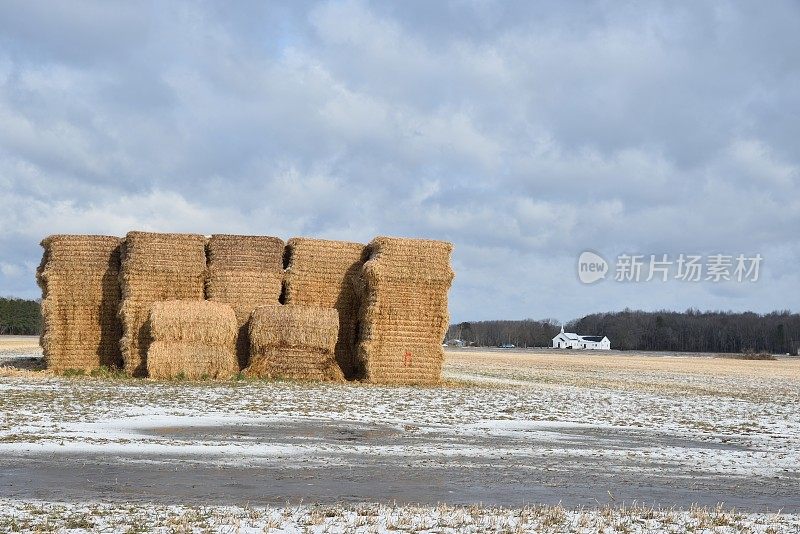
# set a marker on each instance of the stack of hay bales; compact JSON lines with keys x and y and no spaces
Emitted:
{"x":296,"y":342}
{"x":80,"y":292}
{"x":404,"y":316}
{"x":321,"y":273}
{"x":245,"y":272}
{"x":192,"y":339}
{"x":156,"y":267}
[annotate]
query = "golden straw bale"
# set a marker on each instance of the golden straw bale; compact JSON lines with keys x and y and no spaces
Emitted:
{"x":78,"y":277}
{"x":245,"y":252}
{"x":194,"y":339}
{"x":245,"y":272}
{"x":199,"y":321}
{"x":321,"y":273}
{"x":295,"y":342}
{"x":404,"y":314}
{"x":172,"y":359}
{"x":156,"y":267}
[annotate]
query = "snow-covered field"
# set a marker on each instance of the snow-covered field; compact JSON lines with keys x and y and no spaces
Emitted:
{"x":588,"y":436}
{"x":17,"y":516}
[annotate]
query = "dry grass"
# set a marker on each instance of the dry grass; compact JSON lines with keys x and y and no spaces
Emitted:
{"x":701,"y":374}
{"x":16,"y":372}
{"x":19,"y":344}
{"x":17,"y":516}
{"x":748,"y":356}
{"x":630,"y":362}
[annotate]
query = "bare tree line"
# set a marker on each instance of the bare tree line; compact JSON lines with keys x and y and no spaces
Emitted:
{"x":690,"y":331}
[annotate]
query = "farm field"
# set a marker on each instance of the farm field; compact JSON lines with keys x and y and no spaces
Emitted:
{"x":514,"y":440}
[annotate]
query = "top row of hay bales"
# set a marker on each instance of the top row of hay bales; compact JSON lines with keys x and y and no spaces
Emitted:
{"x":390,"y":296}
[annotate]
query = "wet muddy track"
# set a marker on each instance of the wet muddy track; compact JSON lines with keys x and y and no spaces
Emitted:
{"x":329,"y":476}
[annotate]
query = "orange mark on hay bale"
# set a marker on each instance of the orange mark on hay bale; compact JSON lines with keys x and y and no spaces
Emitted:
{"x":407,"y":359}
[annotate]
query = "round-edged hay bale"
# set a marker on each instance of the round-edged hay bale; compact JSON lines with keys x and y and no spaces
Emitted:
{"x":405,"y":259}
{"x":245,"y":272}
{"x":80,"y":293}
{"x":321,"y":273}
{"x":404,"y":314}
{"x":156,"y":267}
{"x":296,"y":342}
{"x":198,"y":321}
{"x":193,"y":339}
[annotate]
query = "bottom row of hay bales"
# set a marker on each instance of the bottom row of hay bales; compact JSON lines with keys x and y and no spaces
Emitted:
{"x":193,"y":339}
{"x":197,"y":339}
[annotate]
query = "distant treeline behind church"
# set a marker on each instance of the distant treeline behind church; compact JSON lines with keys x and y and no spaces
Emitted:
{"x":20,"y":317}
{"x":689,"y":331}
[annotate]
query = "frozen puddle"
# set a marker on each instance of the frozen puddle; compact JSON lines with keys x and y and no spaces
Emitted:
{"x":492,"y":462}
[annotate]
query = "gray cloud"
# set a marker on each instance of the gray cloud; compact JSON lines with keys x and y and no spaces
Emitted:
{"x":525,"y":133}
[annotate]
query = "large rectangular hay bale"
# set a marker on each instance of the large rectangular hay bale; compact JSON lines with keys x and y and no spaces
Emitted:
{"x":404,"y":315}
{"x":245,"y":272}
{"x":193,"y":339}
{"x":321,"y":273}
{"x":296,"y":342}
{"x":78,"y":276}
{"x":156,"y":267}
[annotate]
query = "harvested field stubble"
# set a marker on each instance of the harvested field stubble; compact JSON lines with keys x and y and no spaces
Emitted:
{"x":404,"y":316}
{"x":245,"y":272}
{"x":320,"y":273}
{"x":194,"y":339}
{"x":295,"y":342}
{"x":156,"y":267}
{"x":764,"y":356}
{"x":78,"y":277}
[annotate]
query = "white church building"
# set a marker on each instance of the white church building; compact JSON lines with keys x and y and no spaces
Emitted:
{"x":567,"y":340}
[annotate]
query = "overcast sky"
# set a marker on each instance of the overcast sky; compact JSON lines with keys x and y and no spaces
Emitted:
{"x":523,"y":132}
